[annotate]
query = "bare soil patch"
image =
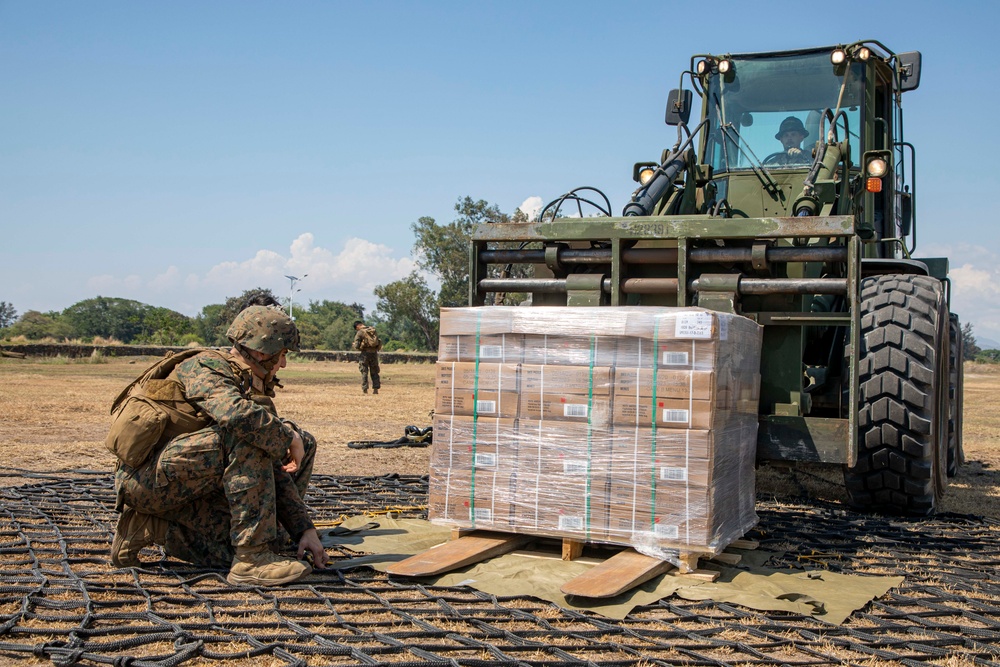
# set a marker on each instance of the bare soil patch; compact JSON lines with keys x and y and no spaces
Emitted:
{"x":54,"y":416}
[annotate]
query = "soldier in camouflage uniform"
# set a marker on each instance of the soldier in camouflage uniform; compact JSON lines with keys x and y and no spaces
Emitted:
{"x":215,"y":496}
{"x":367,"y":359}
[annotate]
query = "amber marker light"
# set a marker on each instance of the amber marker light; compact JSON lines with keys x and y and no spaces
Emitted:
{"x":873,"y":184}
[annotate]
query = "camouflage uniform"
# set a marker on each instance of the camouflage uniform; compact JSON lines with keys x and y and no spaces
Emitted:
{"x":222,"y":487}
{"x":367,"y":364}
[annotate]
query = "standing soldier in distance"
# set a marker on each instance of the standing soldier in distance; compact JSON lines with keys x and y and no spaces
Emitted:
{"x":214,"y":493}
{"x":367,"y":342}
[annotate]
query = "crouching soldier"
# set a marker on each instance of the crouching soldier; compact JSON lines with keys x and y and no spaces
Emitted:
{"x":207,"y":469}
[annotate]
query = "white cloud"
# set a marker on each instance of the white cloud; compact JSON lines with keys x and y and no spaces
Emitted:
{"x":531,"y":207}
{"x":349,"y":274}
{"x":975,"y":285}
{"x":167,"y":280}
{"x":101,"y":284}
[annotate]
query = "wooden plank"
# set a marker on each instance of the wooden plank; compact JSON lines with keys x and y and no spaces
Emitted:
{"x":626,"y":569}
{"x":689,"y":562}
{"x":744,"y":544}
{"x":472,"y":548}
{"x":704,"y":575}
{"x":571,"y":549}
{"x":727,"y":558}
{"x":552,"y":555}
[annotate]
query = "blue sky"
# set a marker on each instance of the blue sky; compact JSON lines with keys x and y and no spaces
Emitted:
{"x":178,"y":153}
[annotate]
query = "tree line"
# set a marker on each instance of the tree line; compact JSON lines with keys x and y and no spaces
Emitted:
{"x":406,"y":312}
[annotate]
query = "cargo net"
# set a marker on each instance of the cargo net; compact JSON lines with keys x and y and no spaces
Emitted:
{"x":61,"y":601}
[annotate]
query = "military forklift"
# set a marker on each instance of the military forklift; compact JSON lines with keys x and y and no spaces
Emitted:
{"x":813,"y":239}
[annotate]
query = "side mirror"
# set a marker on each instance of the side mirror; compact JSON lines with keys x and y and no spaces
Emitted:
{"x":905,"y":214}
{"x":909,"y":70}
{"x":678,"y":107}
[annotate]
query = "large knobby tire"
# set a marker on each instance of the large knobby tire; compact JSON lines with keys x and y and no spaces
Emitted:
{"x":903,"y":406}
{"x":956,"y":380}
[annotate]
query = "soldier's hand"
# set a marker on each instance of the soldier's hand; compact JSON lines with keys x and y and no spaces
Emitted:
{"x":296,"y":451}
{"x":794,"y":151}
{"x":310,"y":542}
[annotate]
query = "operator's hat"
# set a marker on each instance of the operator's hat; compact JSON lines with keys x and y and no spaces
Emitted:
{"x":791,"y":124}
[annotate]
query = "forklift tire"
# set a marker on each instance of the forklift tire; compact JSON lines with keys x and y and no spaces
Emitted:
{"x":903,"y":365}
{"x":956,"y":381}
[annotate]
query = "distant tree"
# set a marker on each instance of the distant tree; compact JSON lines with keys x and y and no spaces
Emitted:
{"x":988,"y":356}
{"x":969,"y":342}
{"x":327,"y":325}
{"x":162,"y":326}
{"x":410,"y":311}
{"x":7,"y":314}
{"x":126,"y":320}
{"x":108,"y":317}
{"x":34,"y":325}
{"x":206,"y":322}
{"x":443,"y":250}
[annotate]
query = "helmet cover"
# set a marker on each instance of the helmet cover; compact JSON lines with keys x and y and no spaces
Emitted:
{"x":266,"y":329}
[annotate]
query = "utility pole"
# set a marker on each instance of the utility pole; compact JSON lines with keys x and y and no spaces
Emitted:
{"x":291,"y":291}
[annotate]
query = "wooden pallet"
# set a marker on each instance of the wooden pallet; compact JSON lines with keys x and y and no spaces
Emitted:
{"x":621,"y":572}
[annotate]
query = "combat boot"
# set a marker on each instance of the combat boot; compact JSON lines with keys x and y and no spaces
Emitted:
{"x":375,"y":390}
{"x":135,"y":531}
{"x":259,"y":566}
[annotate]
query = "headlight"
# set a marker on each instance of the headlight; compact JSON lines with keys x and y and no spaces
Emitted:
{"x":877,"y":167}
{"x":864,"y":53}
{"x":725,"y":66}
{"x":703,"y":67}
{"x":838,"y":57}
{"x":646,"y":175}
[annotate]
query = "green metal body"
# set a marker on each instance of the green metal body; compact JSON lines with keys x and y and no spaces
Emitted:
{"x":734,"y":234}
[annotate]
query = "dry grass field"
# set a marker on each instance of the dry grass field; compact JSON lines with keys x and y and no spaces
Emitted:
{"x":54,"y":416}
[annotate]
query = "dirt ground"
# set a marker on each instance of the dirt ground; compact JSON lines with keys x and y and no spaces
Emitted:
{"x":54,"y":416}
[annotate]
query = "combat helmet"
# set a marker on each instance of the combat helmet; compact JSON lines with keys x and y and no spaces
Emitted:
{"x":265,"y":329}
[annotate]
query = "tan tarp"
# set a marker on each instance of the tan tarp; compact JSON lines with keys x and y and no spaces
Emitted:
{"x":826,"y":596}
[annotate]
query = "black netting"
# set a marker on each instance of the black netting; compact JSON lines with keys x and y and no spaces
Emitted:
{"x":61,"y":600}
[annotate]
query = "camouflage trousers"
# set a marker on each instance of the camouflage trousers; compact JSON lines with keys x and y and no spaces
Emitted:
{"x":368,"y":365}
{"x":216,"y":491}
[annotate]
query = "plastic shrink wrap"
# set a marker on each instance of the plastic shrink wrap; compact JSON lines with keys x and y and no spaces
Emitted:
{"x":632,"y":426}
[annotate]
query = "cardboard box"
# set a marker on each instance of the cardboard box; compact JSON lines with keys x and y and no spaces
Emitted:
{"x":701,"y":355}
{"x":472,"y":375}
{"x":536,"y":379}
{"x":594,"y":410}
{"x":569,"y":349}
{"x":637,"y":443}
{"x":668,"y":412}
{"x":669,"y":471}
{"x":465,"y":442}
{"x":484,"y":321}
{"x":470,"y":403}
{"x":633,"y":383}
{"x":563,"y":507}
{"x":453,"y":500}
{"x":538,"y":440}
{"x":502,"y":348}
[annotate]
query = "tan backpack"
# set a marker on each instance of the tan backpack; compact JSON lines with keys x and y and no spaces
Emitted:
{"x":153,"y":409}
{"x":370,"y":342}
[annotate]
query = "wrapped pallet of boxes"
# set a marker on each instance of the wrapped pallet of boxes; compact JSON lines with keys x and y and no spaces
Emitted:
{"x":630,"y":426}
